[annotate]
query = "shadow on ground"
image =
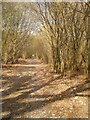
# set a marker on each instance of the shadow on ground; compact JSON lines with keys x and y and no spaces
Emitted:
{"x":16,"y":108}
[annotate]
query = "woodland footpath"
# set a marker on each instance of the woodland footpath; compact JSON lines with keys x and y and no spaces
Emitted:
{"x":45,"y":54}
{"x":31,"y":90}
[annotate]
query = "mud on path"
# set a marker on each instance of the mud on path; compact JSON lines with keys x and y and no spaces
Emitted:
{"x":30,"y":90}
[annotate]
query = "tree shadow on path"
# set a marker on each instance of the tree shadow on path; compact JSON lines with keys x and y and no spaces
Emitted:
{"x":21,"y":108}
{"x":22,"y":85}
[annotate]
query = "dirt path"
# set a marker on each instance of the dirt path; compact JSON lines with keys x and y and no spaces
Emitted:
{"x":30,"y":90}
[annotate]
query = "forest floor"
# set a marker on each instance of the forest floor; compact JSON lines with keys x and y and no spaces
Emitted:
{"x":31,"y":90}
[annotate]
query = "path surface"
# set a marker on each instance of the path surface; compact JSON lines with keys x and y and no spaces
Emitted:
{"x":30,"y":90}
